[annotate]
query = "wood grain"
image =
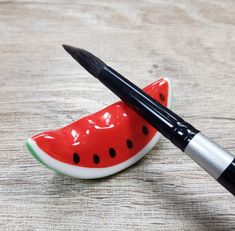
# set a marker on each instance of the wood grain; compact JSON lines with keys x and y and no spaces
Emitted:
{"x":42,"y":88}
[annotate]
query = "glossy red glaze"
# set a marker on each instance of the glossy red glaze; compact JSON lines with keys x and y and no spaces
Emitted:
{"x":97,"y":133}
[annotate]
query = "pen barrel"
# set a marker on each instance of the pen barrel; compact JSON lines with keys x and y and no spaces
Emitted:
{"x":214,"y":159}
{"x":170,"y":125}
{"x":218,"y":162}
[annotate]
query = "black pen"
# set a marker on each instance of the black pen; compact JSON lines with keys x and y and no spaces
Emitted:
{"x":218,"y":162}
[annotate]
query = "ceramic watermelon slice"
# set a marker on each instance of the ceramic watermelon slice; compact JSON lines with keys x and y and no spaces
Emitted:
{"x":103,"y":143}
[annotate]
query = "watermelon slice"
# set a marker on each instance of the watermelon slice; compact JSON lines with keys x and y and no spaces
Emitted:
{"x":103,"y":143}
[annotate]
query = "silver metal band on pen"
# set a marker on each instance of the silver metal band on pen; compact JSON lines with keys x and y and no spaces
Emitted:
{"x":209,"y":155}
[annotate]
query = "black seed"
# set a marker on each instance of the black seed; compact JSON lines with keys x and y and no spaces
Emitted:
{"x":129,"y":143}
{"x":112,"y":152}
{"x":96,"y":159}
{"x":145,"y":130}
{"x":76,"y":158}
{"x":162,"y":97}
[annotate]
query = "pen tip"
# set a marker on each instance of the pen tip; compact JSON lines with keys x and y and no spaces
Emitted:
{"x":87,"y":60}
{"x":66,"y":47}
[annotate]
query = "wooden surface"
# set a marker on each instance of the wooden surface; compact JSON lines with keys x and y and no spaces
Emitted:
{"x":41,"y":88}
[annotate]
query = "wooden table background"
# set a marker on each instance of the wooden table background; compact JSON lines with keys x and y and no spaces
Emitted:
{"x":42,"y":87}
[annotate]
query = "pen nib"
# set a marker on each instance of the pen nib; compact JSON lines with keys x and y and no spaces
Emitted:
{"x":87,"y":60}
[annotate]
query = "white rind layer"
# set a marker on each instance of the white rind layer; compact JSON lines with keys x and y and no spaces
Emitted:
{"x":89,"y":173}
{"x":92,"y":173}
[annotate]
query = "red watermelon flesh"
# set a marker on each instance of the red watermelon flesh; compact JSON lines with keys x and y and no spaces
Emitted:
{"x":105,"y":139}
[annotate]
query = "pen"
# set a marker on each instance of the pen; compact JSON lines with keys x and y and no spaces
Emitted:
{"x":218,"y":162}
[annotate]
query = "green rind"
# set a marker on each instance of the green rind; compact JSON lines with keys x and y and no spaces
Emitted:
{"x":35,"y":155}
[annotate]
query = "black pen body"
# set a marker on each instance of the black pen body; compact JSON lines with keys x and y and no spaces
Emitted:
{"x":218,"y":162}
{"x":165,"y":121}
